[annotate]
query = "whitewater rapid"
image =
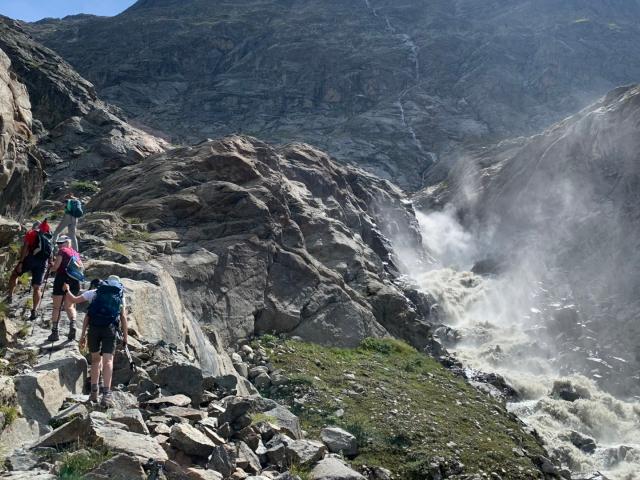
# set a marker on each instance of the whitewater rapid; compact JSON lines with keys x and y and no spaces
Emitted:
{"x":503,"y":322}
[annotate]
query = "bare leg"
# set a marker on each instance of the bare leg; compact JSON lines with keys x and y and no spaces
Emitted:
{"x":37,"y":296}
{"x":13,"y":282}
{"x":96,"y":365}
{"x":107,"y":370}
{"x":73,"y":223}
{"x":55,"y":316}
{"x":70,"y":309}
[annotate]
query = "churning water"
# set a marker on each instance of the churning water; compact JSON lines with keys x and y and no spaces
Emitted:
{"x":504,"y":325}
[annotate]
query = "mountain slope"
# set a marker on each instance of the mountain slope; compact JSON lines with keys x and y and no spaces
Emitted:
{"x":391,"y":85}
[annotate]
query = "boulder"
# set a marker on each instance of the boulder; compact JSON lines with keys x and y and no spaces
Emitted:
{"x":42,"y":392}
{"x":286,"y":421}
{"x":191,"y":441}
{"x":262,"y":381}
{"x":179,"y":400}
{"x":200,"y":474}
{"x":235,"y":407}
{"x":246,"y":459}
{"x":304,"y":452}
{"x":118,"y":467}
{"x":565,"y":390}
{"x":142,"y":447}
{"x":339,"y":441}
{"x":181,"y":378}
{"x":334,"y":469}
{"x":132,"y":418}
{"x":21,"y":432}
{"x":71,"y":432}
{"x":221,"y":461}
{"x":582,"y":442}
{"x":182,"y":412}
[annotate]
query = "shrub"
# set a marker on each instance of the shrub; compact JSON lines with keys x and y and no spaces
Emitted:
{"x":386,"y":346}
{"x":10,"y":414}
{"x":76,"y":464}
{"x":82,"y":186}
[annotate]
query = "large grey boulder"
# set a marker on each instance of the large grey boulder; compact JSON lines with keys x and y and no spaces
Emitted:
{"x":339,"y":441}
{"x":191,"y":440}
{"x":142,"y":447}
{"x":332,"y":468}
{"x":119,"y":467}
{"x":304,"y":452}
{"x":42,"y":392}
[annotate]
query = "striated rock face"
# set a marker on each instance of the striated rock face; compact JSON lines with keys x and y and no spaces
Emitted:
{"x":21,"y":173}
{"x":564,"y":206}
{"x":253,"y":249}
{"x":77,"y":134}
{"x":389,"y":84}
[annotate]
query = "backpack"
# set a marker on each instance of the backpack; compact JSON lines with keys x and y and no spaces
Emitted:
{"x":74,"y":208}
{"x":75,"y":269}
{"x":44,"y":246}
{"x":105,"y":307}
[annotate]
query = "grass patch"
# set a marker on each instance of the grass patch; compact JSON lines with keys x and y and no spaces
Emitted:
{"x":4,"y":309}
{"x":118,"y":247}
{"x":24,"y":331}
{"x":303,"y":472}
{"x":82,"y":186}
{"x":132,"y":235}
{"x":262,"y":417}
{"x":10,"y":414}
{"x":403,"y":408}
{"x":76,"y":464}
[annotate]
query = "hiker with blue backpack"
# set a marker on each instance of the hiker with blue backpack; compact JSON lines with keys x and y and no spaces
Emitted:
{"x":35,"y":256}
{"x":67,"y":266}
{"x":72,"y":212}
{"x":100,"y":329}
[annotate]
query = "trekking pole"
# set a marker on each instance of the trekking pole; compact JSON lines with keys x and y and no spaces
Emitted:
{"x":44,"y":290}
{"x":132,"y":364}
{"x":59,"y":318}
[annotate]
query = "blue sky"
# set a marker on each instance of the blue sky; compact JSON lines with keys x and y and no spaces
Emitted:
{"x":31,"y":10}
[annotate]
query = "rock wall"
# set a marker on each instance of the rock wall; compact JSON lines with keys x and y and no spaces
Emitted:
{"x":253,"y":249}
{"x":21,"y":172}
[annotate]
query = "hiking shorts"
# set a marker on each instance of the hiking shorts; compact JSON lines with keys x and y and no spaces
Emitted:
{"x":61,"y":279}
{"x":37,"y":268}
{"x":102,"y":339}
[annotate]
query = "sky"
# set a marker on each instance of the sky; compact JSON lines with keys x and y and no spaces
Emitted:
{"x":32,"y":10}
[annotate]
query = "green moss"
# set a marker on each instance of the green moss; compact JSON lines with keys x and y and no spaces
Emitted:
{"x":24,"y":331}
{"x":261,"y":417}
{"x":81,"y":186}
{"x":303,"y":472}
{"x":403,"y":407}
{"x":76,"y":464}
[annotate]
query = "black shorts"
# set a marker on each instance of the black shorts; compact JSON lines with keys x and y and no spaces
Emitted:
{"x":36,"y":267}
{"x":102,"y":339}
{"x":61,"y":279}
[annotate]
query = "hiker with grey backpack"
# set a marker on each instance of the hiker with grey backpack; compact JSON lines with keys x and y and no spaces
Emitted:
{"x":106,"y":314}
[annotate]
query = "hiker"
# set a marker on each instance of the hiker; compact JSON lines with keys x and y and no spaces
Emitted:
{"x":106,"y":312}
{"x":35,"y":256}
{"x":64,"y":262}
{"x":72,"y":212}
{"x":86,"y":296}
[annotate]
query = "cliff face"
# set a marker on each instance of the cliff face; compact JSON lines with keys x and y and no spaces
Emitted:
{"x":565,"y":205}
{"x":390,"y":85}
{"x":77,"y":134}
{"x":21,"y":173}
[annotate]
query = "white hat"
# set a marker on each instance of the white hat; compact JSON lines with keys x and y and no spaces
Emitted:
{"x":114,"y":280}
{"x":63,"y":239}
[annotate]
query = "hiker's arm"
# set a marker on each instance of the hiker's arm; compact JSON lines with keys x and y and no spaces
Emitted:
{"x":83,"y":336}
{"x":71,"y":298}
{"x":125,"y":326}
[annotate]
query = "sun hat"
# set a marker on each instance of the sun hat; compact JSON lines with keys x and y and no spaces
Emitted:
{"x":114,"y":280}
{"x":63,"y":239}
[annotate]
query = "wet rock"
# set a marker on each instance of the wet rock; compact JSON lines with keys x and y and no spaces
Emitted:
{"x":191,"y":441}
{"x":565,"y":390}
{"x":582,"y":442}
{"x":334,"y":469}
{"x":338,"y":440}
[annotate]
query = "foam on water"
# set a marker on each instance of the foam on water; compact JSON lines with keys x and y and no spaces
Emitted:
{"x":502,"y":321}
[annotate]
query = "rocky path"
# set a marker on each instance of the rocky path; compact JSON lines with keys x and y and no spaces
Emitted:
{"x":170,"y":421}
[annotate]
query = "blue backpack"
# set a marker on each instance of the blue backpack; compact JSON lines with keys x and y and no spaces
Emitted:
{"x":74,"y":269}
{"x":74,"y":208}
{"x":106,"y":306}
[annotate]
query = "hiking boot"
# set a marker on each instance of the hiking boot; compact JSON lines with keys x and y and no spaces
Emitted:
{"x":72,"y":334}
{"x":33,"y":316}
{"x":93,"y":397}
{"x":54,"y":337}
{"x":107,"y":400}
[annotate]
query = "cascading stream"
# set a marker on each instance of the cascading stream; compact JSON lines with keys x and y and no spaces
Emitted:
{"x":505,"y":325}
